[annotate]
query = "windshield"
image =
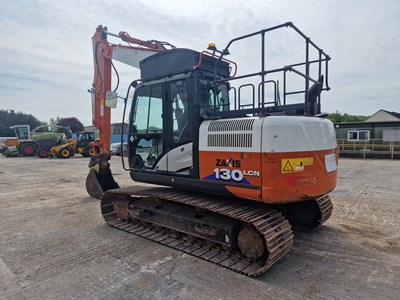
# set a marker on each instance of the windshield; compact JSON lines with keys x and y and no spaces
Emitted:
{"x":22,"y":132}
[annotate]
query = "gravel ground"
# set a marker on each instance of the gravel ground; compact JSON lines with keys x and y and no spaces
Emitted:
{"x":54,"y":243}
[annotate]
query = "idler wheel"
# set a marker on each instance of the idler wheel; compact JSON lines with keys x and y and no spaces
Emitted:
{"x":251,"y":242}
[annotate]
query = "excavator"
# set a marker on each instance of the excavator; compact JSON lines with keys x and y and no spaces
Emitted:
{"x":238,"y":161}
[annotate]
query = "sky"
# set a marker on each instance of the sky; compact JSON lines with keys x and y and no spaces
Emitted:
{"x":47,"y":62}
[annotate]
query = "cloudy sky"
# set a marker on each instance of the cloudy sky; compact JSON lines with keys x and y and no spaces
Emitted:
{"x":46,"y":52}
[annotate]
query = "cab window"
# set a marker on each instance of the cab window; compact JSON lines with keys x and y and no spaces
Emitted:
{"x":213,"y":98}
{"x":148,"y":126}
{"x":148,"y":110}
{"x":180,"y":109}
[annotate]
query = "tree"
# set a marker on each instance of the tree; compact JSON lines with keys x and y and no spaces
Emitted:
{"x":8,"y":117}
{"x":73,"y":123}
{"x":338,"y":117}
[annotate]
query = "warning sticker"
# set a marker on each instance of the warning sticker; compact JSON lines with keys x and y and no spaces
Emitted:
{"x":295,"y":164}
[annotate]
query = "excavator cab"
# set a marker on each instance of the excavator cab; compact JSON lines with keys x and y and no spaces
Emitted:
{"x":167,"y":113}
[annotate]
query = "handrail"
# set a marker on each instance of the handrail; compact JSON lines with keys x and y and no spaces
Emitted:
{"x":214,"y":55}
{"x":372,"y":146}
{"x":313,"y":85}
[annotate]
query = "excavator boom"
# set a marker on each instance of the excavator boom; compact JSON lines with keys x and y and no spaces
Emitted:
{"x":100,"y":177}
{"x":103,"y":55}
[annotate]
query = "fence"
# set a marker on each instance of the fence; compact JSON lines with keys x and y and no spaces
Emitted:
{"x":370,"y":148}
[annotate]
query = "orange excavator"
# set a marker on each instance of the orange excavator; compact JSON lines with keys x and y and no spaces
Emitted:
{"x":240,"y":160}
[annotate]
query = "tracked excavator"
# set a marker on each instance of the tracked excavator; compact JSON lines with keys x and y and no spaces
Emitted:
{"x":239,"y":160}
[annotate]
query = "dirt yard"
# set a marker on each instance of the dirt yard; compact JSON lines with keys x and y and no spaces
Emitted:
{"x":54,"y":243}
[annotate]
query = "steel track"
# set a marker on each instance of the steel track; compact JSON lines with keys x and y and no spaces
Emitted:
{"x":272,"y":226}
{"x":326,"y":207}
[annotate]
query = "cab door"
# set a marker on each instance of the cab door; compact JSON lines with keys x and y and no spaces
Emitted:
{"x":179,"y":157}
{"x":147,"y":135}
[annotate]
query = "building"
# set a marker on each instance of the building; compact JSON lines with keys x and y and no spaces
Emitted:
{"x":384,"y":116}
{"x":378,"y":136}
{"x":116,"y":130}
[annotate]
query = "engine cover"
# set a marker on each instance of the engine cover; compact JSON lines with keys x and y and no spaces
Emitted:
{"x":274,"y":159}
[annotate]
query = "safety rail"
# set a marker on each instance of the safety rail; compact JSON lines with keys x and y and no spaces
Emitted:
{"x":214,"y":56}
{"x":313,"y":85}
{"x":371,"y":148}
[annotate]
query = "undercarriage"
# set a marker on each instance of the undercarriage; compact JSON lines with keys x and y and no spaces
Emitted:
{"x":243,"y":236}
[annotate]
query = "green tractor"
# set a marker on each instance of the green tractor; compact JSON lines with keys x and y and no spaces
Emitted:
{"x":30,"y":143}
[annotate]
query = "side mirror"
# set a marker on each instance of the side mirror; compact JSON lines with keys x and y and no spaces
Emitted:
{"x":111,"y":99}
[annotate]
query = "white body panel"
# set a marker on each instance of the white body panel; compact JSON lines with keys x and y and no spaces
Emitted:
{"x":292,"y":134}
{"x":177,"y":159}
{"x":267,"y":134}
{"x":130,"y":56}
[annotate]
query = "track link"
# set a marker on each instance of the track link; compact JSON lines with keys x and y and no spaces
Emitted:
{"x":270,"y":224}
{"x":307,"y":215}
{"x":326,"y":207}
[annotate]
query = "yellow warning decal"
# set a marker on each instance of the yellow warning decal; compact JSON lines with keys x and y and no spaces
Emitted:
{"x":295,"y":164}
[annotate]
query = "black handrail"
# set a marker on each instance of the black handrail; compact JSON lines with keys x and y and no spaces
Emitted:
{"x":322,"y":57}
